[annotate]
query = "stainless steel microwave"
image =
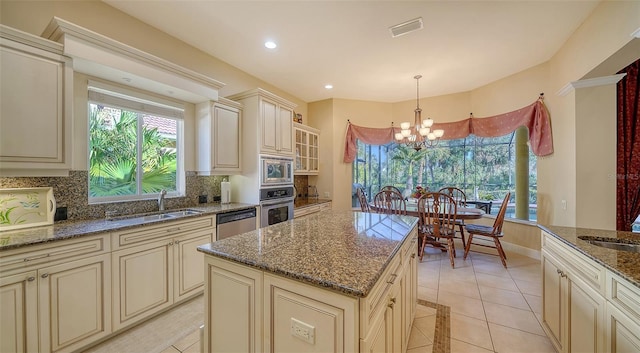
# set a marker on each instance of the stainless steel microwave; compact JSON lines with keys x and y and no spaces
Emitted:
{"x":276,"y":170}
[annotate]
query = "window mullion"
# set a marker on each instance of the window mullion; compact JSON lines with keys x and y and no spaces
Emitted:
{"x":139,"y":143}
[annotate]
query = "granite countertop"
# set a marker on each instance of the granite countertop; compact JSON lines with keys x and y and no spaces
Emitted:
{"x":623,"y":263}
{"x":343,"y":251}
{"x":305,"y":202}
{"x":73,"y":229}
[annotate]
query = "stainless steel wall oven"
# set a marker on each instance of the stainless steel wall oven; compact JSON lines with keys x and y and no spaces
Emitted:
{"x":276,"y":205}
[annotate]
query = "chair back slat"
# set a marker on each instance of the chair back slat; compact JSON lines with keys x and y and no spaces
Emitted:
{"x":362,"y":199}
{"x":437,"y":213}
{"x":497,"y":224}
{"x":457,"y":194}
{"x":390,"y":202}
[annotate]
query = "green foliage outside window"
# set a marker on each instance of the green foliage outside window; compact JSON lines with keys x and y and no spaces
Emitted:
{"x":115,"y":165}
{"x":484,"y":168}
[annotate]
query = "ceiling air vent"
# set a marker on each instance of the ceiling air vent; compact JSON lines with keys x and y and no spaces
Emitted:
{"x":406,"y":27}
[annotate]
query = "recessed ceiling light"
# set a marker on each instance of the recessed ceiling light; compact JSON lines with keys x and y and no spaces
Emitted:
{"x":270,"y":45}
{"x":328,"y":86}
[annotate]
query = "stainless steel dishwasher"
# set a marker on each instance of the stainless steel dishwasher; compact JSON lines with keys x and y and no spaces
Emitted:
{"x":235,"y":222}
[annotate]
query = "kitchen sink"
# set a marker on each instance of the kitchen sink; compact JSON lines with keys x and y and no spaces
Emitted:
{"x":157,"y":216}
{"x":613,"y":243}
{"x":182,"y":213}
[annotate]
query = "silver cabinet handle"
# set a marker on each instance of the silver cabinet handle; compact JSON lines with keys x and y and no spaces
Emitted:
{"x":31,"y":279}
{"x":177,"y":242}
{"x":45,"y":275}
{"x":170,"y":244}
{"x":36,"y":257}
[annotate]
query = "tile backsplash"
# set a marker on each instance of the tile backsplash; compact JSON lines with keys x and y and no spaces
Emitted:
{"x":72,"y":192}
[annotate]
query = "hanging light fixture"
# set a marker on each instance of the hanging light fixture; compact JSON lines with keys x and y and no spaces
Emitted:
{"x":419,"y":135}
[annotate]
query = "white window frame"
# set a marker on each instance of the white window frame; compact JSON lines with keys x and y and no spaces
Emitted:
{"x":135,"y":101}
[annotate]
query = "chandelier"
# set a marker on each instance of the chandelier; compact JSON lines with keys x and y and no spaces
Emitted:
{"x":419,"y":135}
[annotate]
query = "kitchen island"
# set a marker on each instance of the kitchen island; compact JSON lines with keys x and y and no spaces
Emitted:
{"x":335,"y":281}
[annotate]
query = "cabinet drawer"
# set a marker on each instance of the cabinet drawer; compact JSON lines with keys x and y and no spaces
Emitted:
{"x":305,"y":211}
{"x":580,"y":265}
{"x":53,"y":252}
{"x":376,"y":302}
{"x":147,"y":234}
{"x":623,"y":295}
{"x":410,"y":246}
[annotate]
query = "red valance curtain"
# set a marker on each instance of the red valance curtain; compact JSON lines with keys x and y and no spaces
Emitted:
{"x":628,"y":164}
{"x":534,"y":116}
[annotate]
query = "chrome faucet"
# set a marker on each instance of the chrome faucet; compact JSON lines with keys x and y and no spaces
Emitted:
{"x":163,"y":192}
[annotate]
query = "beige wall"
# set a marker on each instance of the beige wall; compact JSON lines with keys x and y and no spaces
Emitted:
{"x":567,"y":172}
{"x":601,"y":46}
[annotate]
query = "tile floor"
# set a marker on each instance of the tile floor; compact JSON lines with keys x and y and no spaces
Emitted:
{"x":492,"y":309}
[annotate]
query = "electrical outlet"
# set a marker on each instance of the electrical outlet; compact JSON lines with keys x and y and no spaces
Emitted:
{"x":303,"y":331}
{"x":202,"y":199}
{"x":326,"y":194}
{"x":564,"y":204}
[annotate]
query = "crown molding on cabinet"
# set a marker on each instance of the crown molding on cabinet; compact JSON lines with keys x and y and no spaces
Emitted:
{"x":103,"y":57}
{"x":263,"y":93}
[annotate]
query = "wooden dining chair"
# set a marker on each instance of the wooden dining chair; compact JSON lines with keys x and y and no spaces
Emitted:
{"x":391,"y":188}
{"x":390,"y":202}
{"x":460,"y":199}
{"x":437,"y":213}
{"x":494,"y":233}
{"x":362,"y":199}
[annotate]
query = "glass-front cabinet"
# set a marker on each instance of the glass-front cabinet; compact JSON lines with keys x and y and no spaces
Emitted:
{"x":307,"y":149}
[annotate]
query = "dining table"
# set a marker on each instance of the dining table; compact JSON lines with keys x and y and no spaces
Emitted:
{"x":462,"y":213}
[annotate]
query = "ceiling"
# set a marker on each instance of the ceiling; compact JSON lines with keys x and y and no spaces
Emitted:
{"x":463,"y":45}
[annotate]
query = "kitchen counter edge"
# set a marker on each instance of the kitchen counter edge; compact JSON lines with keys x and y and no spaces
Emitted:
{"x":73,"y":229}
{"x":624,"y":263}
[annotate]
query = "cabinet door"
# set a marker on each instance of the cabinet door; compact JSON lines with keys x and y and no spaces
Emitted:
{"x":301,"y":150}
{"x":226,"y":138}
{"x":623,"y":333}
{"x":285,"y":130}
{"x":189,"y":264}
{"x":18,"y":313}
{"x":378,"y":341}
{"x":234,"y":293}
{"x":35,"y":110}
{"x":143,"y":282}
{"x":75,"y":302}
{"x":586,"y":318}
{"x":269,"y":123}
{"x":314,"y":165}
{"x":552,"y":301}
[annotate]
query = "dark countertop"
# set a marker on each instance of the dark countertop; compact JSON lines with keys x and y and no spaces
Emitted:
{"x":73,"y":229}
{"x":305,"y":202}
{"x":343,"y":251}
{"x":624,"y":263}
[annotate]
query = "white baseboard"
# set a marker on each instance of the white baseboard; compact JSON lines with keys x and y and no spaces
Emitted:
{"x":508,"y":247}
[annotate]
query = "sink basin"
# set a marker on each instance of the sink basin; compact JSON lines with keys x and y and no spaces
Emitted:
{"x":613,"y":243}
{"x":154,"y":217}
{"x":157,"y":216}
{"x":182,"y":213}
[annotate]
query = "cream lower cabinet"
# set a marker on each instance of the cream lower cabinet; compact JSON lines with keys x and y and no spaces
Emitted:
{"x":152,"y":277}
{"x":249,"y":310}
{"x":586,"y":307}
{"x":56,"y":298}
{"x":622,"y":315}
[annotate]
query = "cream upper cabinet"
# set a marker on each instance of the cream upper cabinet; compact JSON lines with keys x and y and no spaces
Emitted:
{"x":268,"y":122}
{"x":36,"y":101}
{"x":219,"y":144}
{"x":307,"y":148}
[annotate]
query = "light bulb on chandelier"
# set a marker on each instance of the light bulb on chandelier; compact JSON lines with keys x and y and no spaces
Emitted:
{"x":420,"y":135}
